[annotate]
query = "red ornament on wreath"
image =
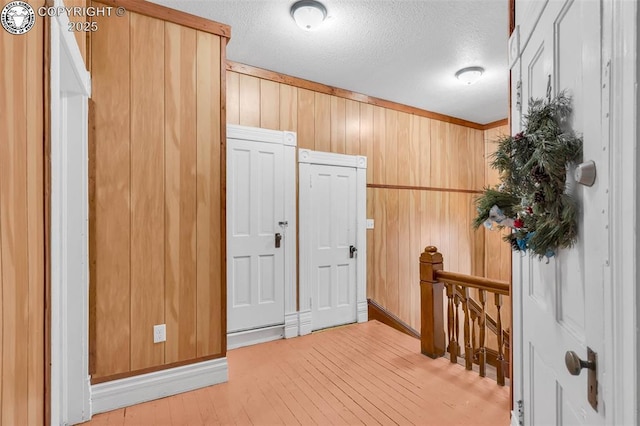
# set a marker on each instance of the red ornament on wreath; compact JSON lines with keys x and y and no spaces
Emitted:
{"x":518,"y":223}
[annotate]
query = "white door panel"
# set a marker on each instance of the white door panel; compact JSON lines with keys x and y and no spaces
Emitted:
{"x":333,"y":221}
{"x":562,"y":300}
{"x":255,"y":191}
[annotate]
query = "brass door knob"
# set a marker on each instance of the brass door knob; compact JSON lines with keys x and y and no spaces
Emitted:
{"x":575,"y":364}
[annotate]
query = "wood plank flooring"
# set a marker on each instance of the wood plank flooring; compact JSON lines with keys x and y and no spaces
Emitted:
{"x":358,"y":374}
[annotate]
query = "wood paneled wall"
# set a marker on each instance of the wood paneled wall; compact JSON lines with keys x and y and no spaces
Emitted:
{"x":22,"y":221}
{"x":158,"y":202}
{"x":423,"y":175}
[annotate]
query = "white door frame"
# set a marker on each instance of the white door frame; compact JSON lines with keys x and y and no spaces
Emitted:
{"x":290,"y":327}
{"x":306,"y":158}
{"x":70,"y":90}
{"x":621,"y":73}
{"x":620,"y":49}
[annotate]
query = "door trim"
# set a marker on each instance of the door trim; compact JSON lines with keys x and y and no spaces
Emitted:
{"x":306,"y":158}
{"x":70,"y":88}
{"x":620,"y":31}
{"x":290,"y":327}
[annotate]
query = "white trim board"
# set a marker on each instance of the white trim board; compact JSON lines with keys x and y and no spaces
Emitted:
{"x":306,"y":158}
{"x":70,"y":86}
{"x":146,"y":387}
{"x":291,"y":324}
{"x":240,"y":339}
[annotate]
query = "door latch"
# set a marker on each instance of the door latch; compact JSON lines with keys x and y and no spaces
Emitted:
{"x":278,"y":239}
{"x":575,"y":366}
{"x":352,"y":251}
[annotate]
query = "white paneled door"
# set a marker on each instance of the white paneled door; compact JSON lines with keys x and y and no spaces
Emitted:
{"x":334,"y":253}
{"x":255,"y":235}
{"x":563,"y":299}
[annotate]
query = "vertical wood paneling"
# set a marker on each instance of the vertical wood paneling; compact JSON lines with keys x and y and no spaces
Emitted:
{"x":404,"y":160}
{"x":306,"y":119}
{"x":14,"y":228}
{"x":440,"y":161}
{"x":288,"y":108}
{"x":367,"y":138}
{"x":147,"y":190}
{"x":372,"y":277}
{"x":233,"y":98}
{"x":415,"y":248}
{"x":338,"y":125}
{"x":379,"y":146}
{"x":391,"y":148}
{"x":159,"y":209}
{"x":110,"y":349}
{"x":322,"y":122}
{"x":36,"y":232}
{"x":391,"y":242}
{"x":425,"y":152}
{"x":210,"y":313}
{"x":352,"y":127}
{"x":180,"y":187}
{"x":269,"y":105}
{"x":249,"y":101}
{"x":404,"y":226}
{"x":380,"y":249}
{"x":414,"y":143}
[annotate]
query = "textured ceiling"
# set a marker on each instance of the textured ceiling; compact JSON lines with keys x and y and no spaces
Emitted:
{"x":405,"y":51}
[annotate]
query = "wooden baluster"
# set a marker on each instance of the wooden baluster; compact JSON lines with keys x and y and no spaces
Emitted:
{"x":468,"y":350}
{"x":500,"y":360}
{"x":474,"y":339}
{"x":482,"y":322}
{"x":453,"y":356}
{"x":432,"y":339}
{"x":456,"y":331}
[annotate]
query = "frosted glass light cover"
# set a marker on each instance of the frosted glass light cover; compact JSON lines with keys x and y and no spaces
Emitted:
{"x":308,"y":14}
{"x":470,"y":75}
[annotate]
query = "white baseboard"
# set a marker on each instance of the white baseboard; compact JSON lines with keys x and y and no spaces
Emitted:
{"x":291,"y":326}
{"x":363,"y":311}
{"x":146,"y":387}
{"x":305,"y":322}
{"x":252,"y":337}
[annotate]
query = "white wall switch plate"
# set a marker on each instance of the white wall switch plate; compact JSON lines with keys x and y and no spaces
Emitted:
{"x":159,"y":333}
{"x":369,"y":223}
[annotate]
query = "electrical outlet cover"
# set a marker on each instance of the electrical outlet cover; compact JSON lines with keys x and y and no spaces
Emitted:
{"x":370,"y":224}
{"x":159,"y":333}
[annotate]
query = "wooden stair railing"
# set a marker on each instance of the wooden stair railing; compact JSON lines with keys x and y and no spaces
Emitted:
{"x":433,"y":283}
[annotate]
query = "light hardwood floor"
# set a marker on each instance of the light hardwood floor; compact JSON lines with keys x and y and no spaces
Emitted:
{"x":358,"y":374}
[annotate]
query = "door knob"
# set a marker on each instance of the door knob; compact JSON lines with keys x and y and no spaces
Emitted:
{"x":352,"y":251}
{"x":575,"y":364}
{"x":278,"y":239}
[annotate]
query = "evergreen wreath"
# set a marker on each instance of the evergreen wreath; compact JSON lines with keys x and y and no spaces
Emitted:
{"x":531,"y":200}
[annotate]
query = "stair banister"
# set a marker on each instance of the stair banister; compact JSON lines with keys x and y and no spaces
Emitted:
{"x":432,"y":341}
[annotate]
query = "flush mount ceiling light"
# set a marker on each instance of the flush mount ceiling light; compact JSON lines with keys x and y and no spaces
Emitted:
{"x":470,"y":75}
{"x":308,"y":14}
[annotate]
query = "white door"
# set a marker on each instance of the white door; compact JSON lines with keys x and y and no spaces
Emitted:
{"x":255,"y":235}
{"x":562,"y":300}
{"x":333,"y":233}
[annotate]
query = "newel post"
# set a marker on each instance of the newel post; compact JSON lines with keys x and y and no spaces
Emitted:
{"x":432,"y":341}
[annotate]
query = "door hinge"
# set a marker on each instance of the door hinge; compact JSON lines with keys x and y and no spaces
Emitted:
{"x":519,"y":96}
{"x":520,"y":412}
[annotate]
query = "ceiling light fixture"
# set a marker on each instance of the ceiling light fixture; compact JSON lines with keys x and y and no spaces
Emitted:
{"x":470,"y":75}
{"x":308,"y":14}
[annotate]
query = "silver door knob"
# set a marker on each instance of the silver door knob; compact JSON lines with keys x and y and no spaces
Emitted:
{"x":575,"y":364}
